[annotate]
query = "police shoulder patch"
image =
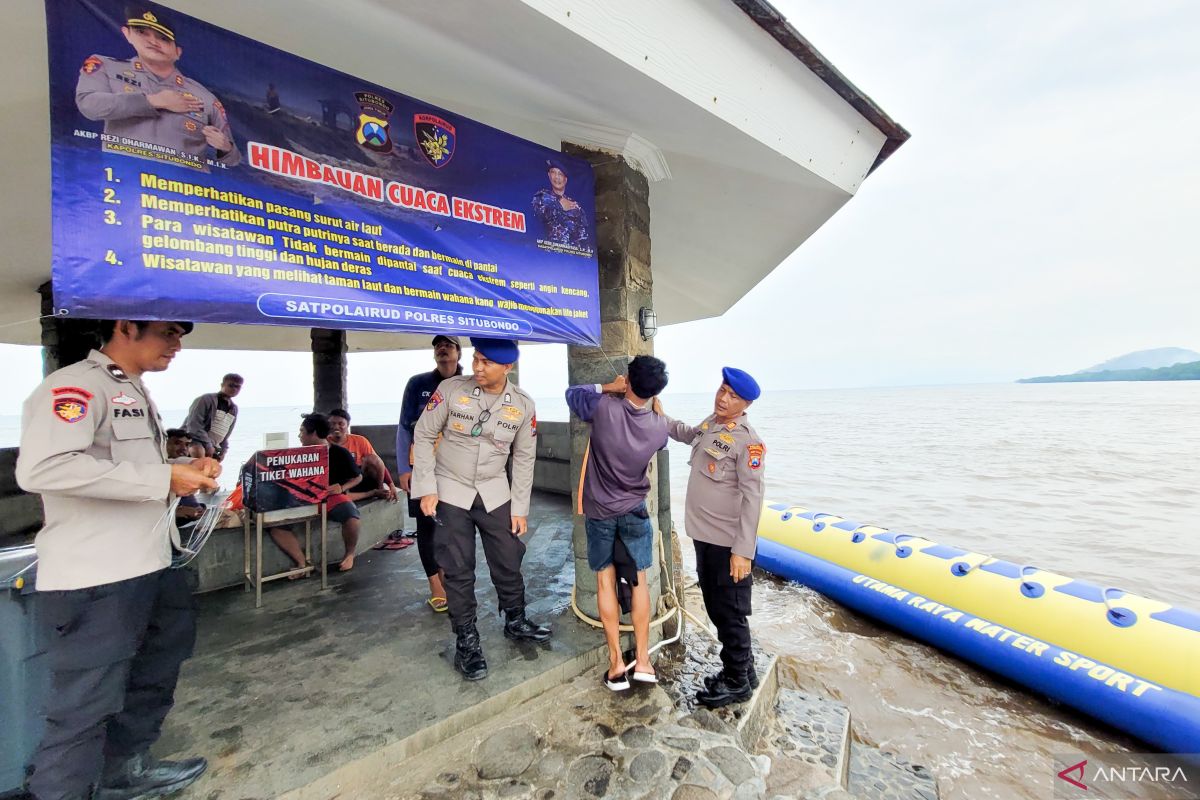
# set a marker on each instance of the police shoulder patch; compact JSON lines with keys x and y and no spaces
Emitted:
{"x":435,"y":400}
{"x":755,"y":453}
{"x":69,"y":407}
{"x":533,"y":426}
{"x":91,"y":64}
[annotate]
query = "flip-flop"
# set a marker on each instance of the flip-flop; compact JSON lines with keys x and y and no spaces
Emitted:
{"x":619,"y":684}
{"x":438,"y":604}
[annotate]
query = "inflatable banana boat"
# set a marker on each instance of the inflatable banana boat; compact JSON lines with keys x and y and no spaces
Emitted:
{"x":1127,"y":660}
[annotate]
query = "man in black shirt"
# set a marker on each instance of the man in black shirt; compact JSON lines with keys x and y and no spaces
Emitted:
{"x":446,"y":353}
{"x":344,"y":475}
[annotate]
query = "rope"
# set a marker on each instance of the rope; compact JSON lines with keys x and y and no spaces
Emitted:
{"x":62,"y":312}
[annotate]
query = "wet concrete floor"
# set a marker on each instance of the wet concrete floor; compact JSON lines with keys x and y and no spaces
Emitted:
{"x":278,"y":696}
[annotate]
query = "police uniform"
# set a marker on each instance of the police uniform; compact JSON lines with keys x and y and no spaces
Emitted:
{"x":467,"y":473}
{"x":721,"y":514}
{"x":117,"y":622}
{"x":116,"y":91}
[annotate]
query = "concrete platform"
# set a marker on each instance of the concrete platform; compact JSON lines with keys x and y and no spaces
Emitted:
{"x":277,"y":697}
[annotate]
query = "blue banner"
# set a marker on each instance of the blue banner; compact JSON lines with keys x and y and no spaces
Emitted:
{"x":243,"y":184}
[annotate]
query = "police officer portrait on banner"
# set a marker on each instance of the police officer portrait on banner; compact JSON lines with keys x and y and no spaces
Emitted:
{"x":462,"y":443}
{"x":149,"y":108}
{"x":117,"y":621}
{"x":721,"y":513}
{"x":563,"y":219}
{"x":447,"y":352}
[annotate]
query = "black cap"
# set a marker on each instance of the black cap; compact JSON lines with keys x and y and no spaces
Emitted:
{"x":144,"y":15}
{"x":441,"y":337}
{"x":187,"y":326}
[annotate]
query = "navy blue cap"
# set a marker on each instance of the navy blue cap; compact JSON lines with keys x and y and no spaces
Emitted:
{"x":556,"y":163}
{"x":502,"y":351}
{"x":742,"y":384}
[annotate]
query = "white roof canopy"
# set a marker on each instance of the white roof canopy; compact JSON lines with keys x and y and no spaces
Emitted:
{"x":750,"y":139}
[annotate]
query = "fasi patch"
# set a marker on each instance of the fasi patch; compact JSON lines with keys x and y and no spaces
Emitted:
{"x":91,"y":64}
{"x":123,"y":400}
{"x":70,"y":403}
{"x":435,"y":400}
{"x":755,"y":454}
{"x":124,"y":413}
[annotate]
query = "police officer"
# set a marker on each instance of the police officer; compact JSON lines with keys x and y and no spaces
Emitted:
{"x":724,"y":502}
{"x":116,"y":621}
{"x":463,"y":485}
{"x":447,"y":351}
{"x":562,"y":217}
{"x":148,"y":100}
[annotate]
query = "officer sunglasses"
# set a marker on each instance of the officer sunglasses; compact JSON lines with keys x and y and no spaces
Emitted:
{"x":477,"y":428}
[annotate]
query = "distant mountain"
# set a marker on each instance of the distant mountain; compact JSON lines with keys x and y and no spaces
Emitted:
{"x":1177,"y":372}
{"x":1151,"y":359}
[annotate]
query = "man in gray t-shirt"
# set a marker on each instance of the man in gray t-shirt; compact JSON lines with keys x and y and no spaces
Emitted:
{"x":211,"y":418}
{"x":627,"y":430}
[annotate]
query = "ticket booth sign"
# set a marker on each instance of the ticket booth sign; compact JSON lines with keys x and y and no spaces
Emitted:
{"x":287,"y":478}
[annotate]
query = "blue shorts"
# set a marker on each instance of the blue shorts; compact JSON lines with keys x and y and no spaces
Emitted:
{"x":343,"y":512}
{"x":635,"y":531}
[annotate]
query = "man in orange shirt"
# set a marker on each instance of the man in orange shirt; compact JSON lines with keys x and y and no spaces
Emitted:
{"x":377,"y":481}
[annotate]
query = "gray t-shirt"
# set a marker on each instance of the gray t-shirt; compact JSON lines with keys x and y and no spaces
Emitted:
{"x":624,"y":439}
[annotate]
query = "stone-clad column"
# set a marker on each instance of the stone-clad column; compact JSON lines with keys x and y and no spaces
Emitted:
{"x":329,"y":369}
{"x":623,"y":249}
{"x":64,"y":340}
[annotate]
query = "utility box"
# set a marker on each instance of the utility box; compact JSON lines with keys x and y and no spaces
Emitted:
{"x":24,"y":677}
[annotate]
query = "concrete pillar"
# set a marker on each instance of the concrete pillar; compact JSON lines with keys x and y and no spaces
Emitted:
{"x":329,"y":369}
{"x":64,"y":340}
{"x":623,"y":248}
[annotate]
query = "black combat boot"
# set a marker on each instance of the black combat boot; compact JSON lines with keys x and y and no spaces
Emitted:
{"x":751,"y":674}
{"x":516,"y":626}
{"x":142,"y":776}
{"x":468,"y":655}
{"x":727,"y":688}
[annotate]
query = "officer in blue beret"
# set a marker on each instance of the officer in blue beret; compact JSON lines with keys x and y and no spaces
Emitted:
{"x":462,"y":483}
{"x":563,"y":218}
{"x":724,"y":502}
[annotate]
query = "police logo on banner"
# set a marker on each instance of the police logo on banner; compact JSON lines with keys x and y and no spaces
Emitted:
{"x":435,"y":137}
{"x":372,"y":130}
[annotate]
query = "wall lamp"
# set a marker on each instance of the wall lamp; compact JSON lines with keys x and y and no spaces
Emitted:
{"x":647,"y":323}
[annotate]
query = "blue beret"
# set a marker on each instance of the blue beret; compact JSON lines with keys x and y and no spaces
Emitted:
{"x":502,"y":351}
{"x":742,"y":384}
{"x":556,"y":163}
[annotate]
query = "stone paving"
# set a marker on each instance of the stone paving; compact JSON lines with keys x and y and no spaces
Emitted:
{"x":580,"y":741}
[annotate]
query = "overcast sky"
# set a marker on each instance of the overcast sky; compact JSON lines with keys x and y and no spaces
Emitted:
{"x":1041,"y":219}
